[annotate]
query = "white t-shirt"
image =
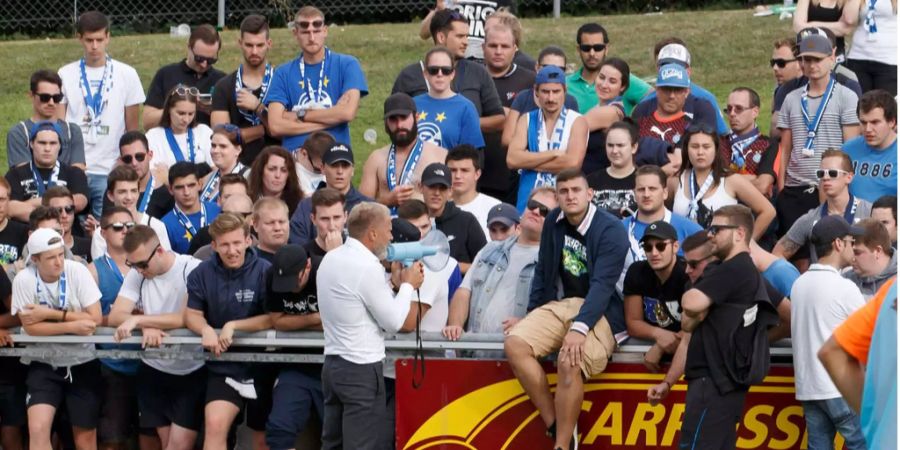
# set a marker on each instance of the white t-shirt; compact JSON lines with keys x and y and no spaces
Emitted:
{"x":101,"y":144}
{"x":503,"y":302}
{"x":81,"y":292}
{"x":821,"y":299}
{"x":163,"y":153}
{"x":480,"y":207}
{"x":164,"y":294}
{"x":435,"y":292}
{"x":98,"y":243}
{"x":309,"y":181}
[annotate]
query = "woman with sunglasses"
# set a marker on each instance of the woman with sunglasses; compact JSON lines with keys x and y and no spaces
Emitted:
{"x":225,"y":149}
{"x":614,"y":186}
{"x":273,"y":174}
{"x":179,"y":136}
{"x":445,"y":118}
{"x":611,"y":83}
{"x":704,"y":183}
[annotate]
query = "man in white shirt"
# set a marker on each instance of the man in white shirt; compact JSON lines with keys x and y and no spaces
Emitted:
{"x":152,"y":299}
{"x":104,"y":97}
{"x":356,"y":311}
{"x":821,"y":299}
{"x":464,"y":162}
{"x":56,"y":297}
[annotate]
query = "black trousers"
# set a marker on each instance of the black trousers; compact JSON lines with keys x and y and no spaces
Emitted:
{"x":710,"y":417}
{"x":874,"y":75}
{"x":354,"y":404}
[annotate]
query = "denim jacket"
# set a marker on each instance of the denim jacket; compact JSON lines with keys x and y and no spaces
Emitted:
{"x":486,"y":274}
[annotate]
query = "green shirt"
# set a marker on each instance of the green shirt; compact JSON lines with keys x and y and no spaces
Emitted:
{"x":587,"y":97}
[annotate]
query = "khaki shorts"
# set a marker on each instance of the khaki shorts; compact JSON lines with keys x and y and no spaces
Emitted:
{"x":544,"y":329}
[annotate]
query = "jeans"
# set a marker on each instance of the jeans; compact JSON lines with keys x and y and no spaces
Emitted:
{"x":296,"y":396}
{"x":97,"y":187}
{"x":824,"y":417}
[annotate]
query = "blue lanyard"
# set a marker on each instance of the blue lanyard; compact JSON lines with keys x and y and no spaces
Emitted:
{"x":186,"y":223}
{"x":741,"y":143}
{"x":39,"y":180}
{"x":408,"y":167}
{"x":812,"y":123}
{"x":315,"y":97}
{"x":62,"y":290}
{"x":211,"y":189}
{"x":114,"y":268}
{"x":94,"y":102}
{"x":239,"y":84}
{"x":145,"y":199}
{"x":176,"y":149}
{"x":849,"y":211}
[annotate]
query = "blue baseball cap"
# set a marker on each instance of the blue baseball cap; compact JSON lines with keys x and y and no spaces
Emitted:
{"x":673,"y":75}
{"x":550,"y":74}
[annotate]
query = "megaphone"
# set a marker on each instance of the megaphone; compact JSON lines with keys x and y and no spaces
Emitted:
{"x":433,"y":250}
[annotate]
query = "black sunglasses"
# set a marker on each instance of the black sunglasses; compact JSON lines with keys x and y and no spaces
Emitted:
{"x":832,"y":173}
{"x":715,"y":229}
{"x":306,"y":24}
{"x":588,"y":47}
{"x":780,"y":62}
{"x":119,"y":226}
{"x":659,"y":246}
{"x":44,"y":98}
{"x":700,"y":128}
{"x":434,"y":70}
{"x":68,"y":209}
{"x":140,"y":157}
{"x":143,"y":264}
{"x":543,"y":210}
{"x":693,"y":263}
{"x":205,"y":59}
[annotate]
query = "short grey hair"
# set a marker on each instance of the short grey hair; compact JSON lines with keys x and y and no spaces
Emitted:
{"x":363,"y":216}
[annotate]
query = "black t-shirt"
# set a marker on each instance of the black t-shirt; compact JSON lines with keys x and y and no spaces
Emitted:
{"x":616,"y":195}
{"x":161,"y":202}
{"x":661,"y":301}
{"x":313,"y":249}
{"x":465,"y":233}
{"x":81,"y":247}
{"x":573,"y":271}
{"x":11,"y":370}
{"x":201,"y":239}
{"x":495,"y":174}
{"x":296,"y":303}
{"x":23,"y":187}
{"x":224,"y":100}
{"x":174,"y":74}
{"x":12,"y":240}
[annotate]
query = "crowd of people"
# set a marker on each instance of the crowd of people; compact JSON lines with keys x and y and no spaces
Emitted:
{"x":582,"y":209}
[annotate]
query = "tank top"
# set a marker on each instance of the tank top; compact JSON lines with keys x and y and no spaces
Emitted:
{"x":109,"y":284}
{"x":719,"y":198}
{"x":818,"y":13}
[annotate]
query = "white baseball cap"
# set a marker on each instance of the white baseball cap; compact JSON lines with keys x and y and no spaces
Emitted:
{"x":674,"y":54}
{"x":44,"y":239}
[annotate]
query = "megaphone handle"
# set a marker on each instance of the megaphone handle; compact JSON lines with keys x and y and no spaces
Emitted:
{"x":408,"y":262}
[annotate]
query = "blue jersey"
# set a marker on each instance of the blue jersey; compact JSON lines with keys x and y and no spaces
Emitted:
{"x":448,"y":122}
{"x":179,"y":235}
{"x":721,"y":127}
{"x":875,"y":170}
{"x":341,"y":74}
{"x":878,"y":414}
{"x":110,"y":280}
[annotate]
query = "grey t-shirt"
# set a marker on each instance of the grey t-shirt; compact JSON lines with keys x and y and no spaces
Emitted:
{"x":71,"y":149}
{"x":840,"y":111}
{"x":502,"y":304}
{"x":801,"y":232}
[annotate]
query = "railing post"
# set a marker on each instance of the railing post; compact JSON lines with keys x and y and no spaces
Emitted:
{"x":221,"y":22}
{"x":556,"y":9}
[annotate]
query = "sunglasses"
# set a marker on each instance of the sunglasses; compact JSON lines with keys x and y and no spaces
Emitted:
{"x":434,"y":70}
{"x":139,"y":157}
{"x":826,"y":174}
{"x":205,"y":59}
{"x":715,"y":229}
{"x":780,"y":62}
{"x":45,"y":98}
{"x":543,"y":210}
{"x":659,"y":246}
{"x":68,"y":209}
{"x":119,"y":226}
{"x":693,"y":263}
{"x":700,"y":128}
{"x":307,"y":24}
{"x":183,"y":91}
{"x":141,"y":265}
{"x":736,"y":108}
{"x":596,"y":47}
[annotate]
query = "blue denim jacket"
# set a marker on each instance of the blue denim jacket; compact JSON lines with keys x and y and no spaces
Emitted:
{"x":486,"y":274}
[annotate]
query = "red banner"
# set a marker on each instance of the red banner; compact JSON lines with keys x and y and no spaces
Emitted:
{"x":479,"y":405}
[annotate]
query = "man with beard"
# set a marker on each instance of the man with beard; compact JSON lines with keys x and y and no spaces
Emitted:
{"x":391,"y":173}
{"x":238,"y":97}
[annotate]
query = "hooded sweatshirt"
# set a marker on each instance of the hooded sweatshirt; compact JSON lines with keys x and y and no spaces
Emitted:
{"x":463,"y":230}
{"x":870,"y":285}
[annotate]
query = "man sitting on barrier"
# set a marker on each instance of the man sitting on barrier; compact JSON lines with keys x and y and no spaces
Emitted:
{"x":59,"y":297}
{"x":582,"y":249}
{"x":152,"y":299}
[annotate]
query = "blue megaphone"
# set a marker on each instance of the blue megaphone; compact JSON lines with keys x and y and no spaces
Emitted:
{"x":433,"y":251}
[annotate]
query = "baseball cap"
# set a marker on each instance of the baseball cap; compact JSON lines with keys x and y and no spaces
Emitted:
{"x":503,"y":213}
{"x":42,"y":240}
{"x":674,"y":54}
{"x":550,"y":74}
{"x":830,"y":228}
{"x":436,"y":173}
{"x":660,"y":230}
{"x":403,"y":231}
{"x":673,"y":75}
{"x":288,"y":262}
{"x":813,"y":42}
{"x":399,"y":104}
{"x":337,"y":153}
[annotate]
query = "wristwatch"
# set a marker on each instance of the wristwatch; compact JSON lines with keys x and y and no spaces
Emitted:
{"x":301,"y":114}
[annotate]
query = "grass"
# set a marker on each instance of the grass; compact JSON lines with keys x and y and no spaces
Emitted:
{"x":729,"y":49}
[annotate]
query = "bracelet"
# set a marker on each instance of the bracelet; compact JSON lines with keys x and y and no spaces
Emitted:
{"x":64,"y":315}
{"x":668,"y":383}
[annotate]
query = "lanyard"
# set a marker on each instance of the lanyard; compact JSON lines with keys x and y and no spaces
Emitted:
{"x":62,"y":290}
{"x":113,"y":267}
{"x":849,"y":211}
{"x":637,"y":253}
{"x":869,"y":23}
{"x":408,"y":167}
{"x":39,"y":180}
{"x":697,"y":194}
{"x":211,"y":189}
{"x":94,"y":101}
{"x":239,"y":84}
{"x":314,"y":97}
{"x":812,"y":123}
{"x":145,"y":199}
{"x":176,"y":149}
{"x":740,"y":147}
{"x":186,"y":223}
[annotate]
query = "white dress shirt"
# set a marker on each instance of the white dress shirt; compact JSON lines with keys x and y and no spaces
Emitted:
{"x":356,"y":303}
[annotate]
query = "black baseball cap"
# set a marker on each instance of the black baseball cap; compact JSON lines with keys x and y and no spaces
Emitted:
{"x":403,"y":231}
{"x":337,"y":153}
{"x":399,"y":104}
{"x":660,"y":230}
{"x":830,"y":228}
{"x":436,"y":173}
{"x":288,"y":262}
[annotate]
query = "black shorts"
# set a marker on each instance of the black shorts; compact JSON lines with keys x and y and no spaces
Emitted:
{"x":12,"y":404}
{"x":164,"y":399}
{"x":119,"y":411}
{"x":257,"y":411}
{"x":710,"y":418}
{"x":79,"y":388}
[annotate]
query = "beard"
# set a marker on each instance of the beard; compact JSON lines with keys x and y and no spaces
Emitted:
{"x":721,"y":251}
{"x":408,"y":137}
